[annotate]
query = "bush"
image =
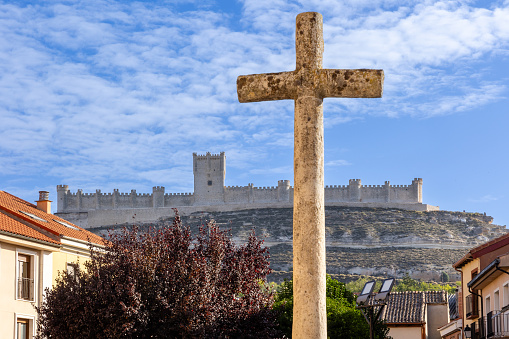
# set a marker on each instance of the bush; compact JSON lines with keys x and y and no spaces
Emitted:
{"x":344,"y":321}
{"x":164,"y":284}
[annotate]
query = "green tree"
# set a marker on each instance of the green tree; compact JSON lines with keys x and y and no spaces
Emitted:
{"x":344,"y":321}
{"x":409,"y":284}
{"x":405,"y":284}
{"x":164,"y":284}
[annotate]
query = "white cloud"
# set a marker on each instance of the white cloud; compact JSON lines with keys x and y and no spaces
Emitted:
{"x":275,"y":170}
{"x":337,"y":163}
{"x":111,"y":92}
{"x":485,"y":199}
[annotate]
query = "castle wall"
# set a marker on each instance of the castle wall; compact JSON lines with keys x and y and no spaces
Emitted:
{"x":86,"y":201}
{"x":374,"y":194}
{"x":178,"y":199}
{"x":209,"y":190}
{"x":105,"y":201}
{"x":265,"y":194}
{"x":336,"y":193}
{"x":238,"y":194}
{"x":402,"y":194}
{"x":243,"y":195}
{"x":91,"y":209}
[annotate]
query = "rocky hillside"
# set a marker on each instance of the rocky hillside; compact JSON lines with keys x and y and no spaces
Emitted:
{"x":366,"y":241}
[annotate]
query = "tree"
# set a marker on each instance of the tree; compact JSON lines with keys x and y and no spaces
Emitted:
{"x":164,"y":284}
{"x":406,"y":284}
{"x":409,"y":284}
{"x":344,"y":321}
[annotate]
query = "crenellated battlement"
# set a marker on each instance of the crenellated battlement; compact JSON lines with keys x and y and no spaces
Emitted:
{"x":209,"y":190}
{"x":62,"y":188}
{"x":237,"y":187}
{"x":178,"y":194}
{"x":208,"y":155}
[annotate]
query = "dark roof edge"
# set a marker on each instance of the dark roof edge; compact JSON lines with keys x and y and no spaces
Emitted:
{"x":482,"y":274}
{"x":24,"y":237}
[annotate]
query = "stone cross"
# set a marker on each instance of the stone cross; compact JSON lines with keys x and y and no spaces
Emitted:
{"x":308,"y":85}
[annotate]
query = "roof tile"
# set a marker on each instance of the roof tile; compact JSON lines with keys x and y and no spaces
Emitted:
{"x":10,"y":225}
{"x":14,"y":206}
{"x":409,"y":307}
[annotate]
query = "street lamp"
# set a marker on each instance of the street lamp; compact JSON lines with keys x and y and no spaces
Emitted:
{"x":366,"y":292}
{"x":468,"y":332}
{"x":385,"y":289}
{"x":367,"y":301}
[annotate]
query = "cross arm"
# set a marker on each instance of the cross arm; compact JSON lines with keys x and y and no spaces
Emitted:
{"x":351,"y":83}
{"x":264,"y":87}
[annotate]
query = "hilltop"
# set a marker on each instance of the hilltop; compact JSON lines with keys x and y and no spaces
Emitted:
{"x":367,"y":241}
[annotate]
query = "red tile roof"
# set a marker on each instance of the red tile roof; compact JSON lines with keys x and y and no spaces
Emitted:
{"x":37,"y":229}
{"x":409,"y":307}
{"x":10,"y":225}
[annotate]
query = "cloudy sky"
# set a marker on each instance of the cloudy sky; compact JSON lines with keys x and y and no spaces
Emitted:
{"x":119,"y":94}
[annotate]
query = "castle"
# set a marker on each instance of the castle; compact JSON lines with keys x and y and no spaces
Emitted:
{"x":210,"y":194}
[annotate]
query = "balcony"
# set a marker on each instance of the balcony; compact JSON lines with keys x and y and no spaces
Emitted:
{"x":494,"y":325}
{"x":26,"y":289}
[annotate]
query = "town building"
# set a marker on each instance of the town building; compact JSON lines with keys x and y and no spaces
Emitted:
{"x":484,"y":305}
{"x":34,"y":246}
{"x":417,"y":315}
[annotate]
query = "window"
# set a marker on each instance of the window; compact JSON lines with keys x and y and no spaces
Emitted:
{"x":488,"y":304}
{"x":471,"y":306}
{"x":66,"y":224}
{"x":73,"y":270}
{"x":22,"y":328}
{"x":209,"y":182}
{"x":33,"y":216}
{"x":25,"y":277}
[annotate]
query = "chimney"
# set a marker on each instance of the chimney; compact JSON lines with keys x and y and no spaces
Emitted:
{"x":44,"y":204}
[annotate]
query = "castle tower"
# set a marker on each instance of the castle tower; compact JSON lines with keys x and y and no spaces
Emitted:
{"x":354,"y":190}
{"x":417,"y":189}
{"x":283,"y":190}
{"x":157,"y":196}
{"x":62,"y":190}
{"x":209,"y":171}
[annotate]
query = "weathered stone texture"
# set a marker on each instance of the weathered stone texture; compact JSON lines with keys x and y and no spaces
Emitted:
{"x":307,"y":86}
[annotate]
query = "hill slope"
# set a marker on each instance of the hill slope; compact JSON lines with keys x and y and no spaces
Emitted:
{"x":372,"y":241}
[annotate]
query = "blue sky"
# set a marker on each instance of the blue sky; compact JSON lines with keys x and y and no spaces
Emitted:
{"x":118,"y":94}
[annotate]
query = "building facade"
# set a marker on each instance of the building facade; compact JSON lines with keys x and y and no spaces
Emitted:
{"x":34,"y":246}
{"x":485,"y":289}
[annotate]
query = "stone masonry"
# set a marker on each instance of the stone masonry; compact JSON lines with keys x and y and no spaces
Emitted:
{"x":210,"y":194}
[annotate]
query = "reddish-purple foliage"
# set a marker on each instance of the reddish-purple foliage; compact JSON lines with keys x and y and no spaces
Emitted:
{"x":164,"y":283}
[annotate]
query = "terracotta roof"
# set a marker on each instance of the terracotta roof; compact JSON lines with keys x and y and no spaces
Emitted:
{"x":409,"y":307}
{"x":10,"y":225}
{"x":49,"y":223}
